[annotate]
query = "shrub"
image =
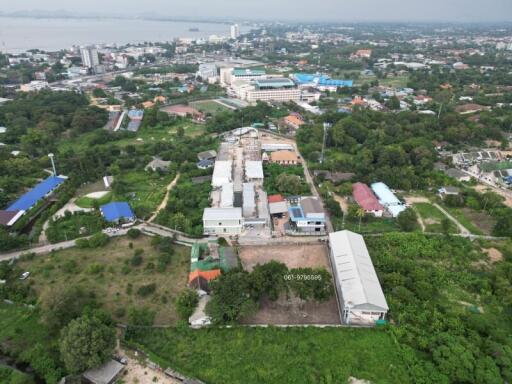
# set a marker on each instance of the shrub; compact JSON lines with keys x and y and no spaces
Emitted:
{"x":186,"y":303}
{"x":146,"y":290}
{"x":133,"y":233}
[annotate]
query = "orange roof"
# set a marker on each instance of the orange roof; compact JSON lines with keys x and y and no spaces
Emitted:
{"x":283,"y":156}
{"x":148,"y":104}
{"x":207,"y":275}
{"x":294,"y":120}
{"x":161,"y":99}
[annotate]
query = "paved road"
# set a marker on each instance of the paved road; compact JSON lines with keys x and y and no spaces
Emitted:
{"x":39,"y":250}
{"x":309,"y":178}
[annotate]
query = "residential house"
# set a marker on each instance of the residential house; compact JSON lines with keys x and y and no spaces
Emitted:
{"x":284,"y":158}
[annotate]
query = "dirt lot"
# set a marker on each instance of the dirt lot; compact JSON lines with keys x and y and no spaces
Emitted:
{"x":481,"y":220}
{"x":291,"y":310}
{"x":294,"y":256}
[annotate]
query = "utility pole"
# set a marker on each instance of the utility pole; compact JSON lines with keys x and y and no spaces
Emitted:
{"x":51,"y":155}
{"x":326,"y":128}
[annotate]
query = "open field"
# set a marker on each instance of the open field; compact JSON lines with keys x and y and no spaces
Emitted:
{"x":294,"y":256}
{"x":433,"y":217}
{"x":209,"y":106}
{"x":372,"y":225}
{"x":478,"y":223}
{"x":109,"y":272}
{"x":276,"y":355}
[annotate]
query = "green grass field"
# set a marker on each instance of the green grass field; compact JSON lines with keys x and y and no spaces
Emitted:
{"x":109,"y":273}
{"x":372,"y":226}
{"x":432,"y":218}
{"x":88,"y":202}
{"x":274,"y":355}
{"x":478,"y":223}
{"x":209,"y":106}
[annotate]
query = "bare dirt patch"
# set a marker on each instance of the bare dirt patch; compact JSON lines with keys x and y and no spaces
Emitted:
{"x":293,"y":255}
{"x":494,"y":254}
{"x":293,"y":311}
{"x":481,"y":220}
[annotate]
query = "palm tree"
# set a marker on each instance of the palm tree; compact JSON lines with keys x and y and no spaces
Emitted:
{"x":360,"y":213}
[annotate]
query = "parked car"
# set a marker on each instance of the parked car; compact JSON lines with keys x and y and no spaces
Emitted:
{"x":24,"y":275}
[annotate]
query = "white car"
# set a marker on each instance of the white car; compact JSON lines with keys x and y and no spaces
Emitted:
{"x":24,"y":275}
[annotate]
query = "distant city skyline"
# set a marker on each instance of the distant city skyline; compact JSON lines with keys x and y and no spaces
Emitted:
{"x":290,"y":10}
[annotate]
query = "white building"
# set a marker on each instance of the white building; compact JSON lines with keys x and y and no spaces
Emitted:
{"x":207,"y":71}
{"x":227,"y":196}
{"x":359,"y":292}
{"x":222,"y":173}
{"x":219,"y":221}
{"x":249,"y":200}
{"x":90,"y":57}
{"x":34,"y":86}
{"x":388,"y":199}
{"x":235,"y":31}
{"x":254,"y":170}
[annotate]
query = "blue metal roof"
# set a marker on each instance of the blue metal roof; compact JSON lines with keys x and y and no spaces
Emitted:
{"x":136,"y":114}
{"x":296,"y":213}
{"x":117,"y":210}
{"x":29,"y":199}
{"x":321,"y":80}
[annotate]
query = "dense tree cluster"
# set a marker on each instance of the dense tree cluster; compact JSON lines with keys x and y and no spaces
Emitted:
{"x":447,"y":307}
{"x":236,"y":294}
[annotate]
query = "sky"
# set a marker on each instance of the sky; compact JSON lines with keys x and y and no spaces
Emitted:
{"x":289,"y":10}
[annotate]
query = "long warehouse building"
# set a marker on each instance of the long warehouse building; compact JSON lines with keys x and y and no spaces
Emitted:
{"x":360,"y":295}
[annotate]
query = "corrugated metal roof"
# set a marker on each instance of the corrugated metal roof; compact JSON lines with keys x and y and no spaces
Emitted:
{"x":226,"y":196}
{"x":364,"y":196}
{"x":29,"y":199}
{"x":388,"y":199}
{"x":254,"y":169}
{"x":355,"y":273}
{"x":222,"y":214}
{"x":117,"y":210}
{"x":222,"y":173}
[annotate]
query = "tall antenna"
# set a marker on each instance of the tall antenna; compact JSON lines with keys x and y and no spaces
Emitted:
{"x":326,"y":128}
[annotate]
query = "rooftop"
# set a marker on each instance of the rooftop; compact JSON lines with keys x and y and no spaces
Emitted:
{"x":117,"y":210}
{"x":29,"y":199}
{"x":364,"y":196}
{"x":355,"y":272}
{"x":222,"y":214}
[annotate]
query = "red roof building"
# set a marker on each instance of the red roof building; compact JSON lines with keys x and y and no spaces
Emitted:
{"x":365,"y":198}
{"x":275,"y":198}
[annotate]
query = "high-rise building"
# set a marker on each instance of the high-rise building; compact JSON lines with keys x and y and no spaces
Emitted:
{"x":235,"y":31}
{"x":90,"y":58}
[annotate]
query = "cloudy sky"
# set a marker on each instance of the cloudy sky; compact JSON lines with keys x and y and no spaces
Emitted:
{"x":332,"y":10}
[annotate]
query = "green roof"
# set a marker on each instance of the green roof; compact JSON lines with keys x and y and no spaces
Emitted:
{"x":248,"y":72}
{"x":227,"y":259}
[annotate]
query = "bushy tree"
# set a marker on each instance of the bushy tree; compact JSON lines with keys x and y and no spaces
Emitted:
{"x":86,"y":343}
{"x":186,"y":303}
{"x":408,"y":220}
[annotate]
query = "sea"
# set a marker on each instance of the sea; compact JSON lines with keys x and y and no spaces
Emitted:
{"x":18,"y":34}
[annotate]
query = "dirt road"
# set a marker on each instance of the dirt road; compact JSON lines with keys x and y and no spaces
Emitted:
{"x":163,"y":204}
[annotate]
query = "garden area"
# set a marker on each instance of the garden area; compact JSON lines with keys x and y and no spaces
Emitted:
{"x":288,"y":181}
